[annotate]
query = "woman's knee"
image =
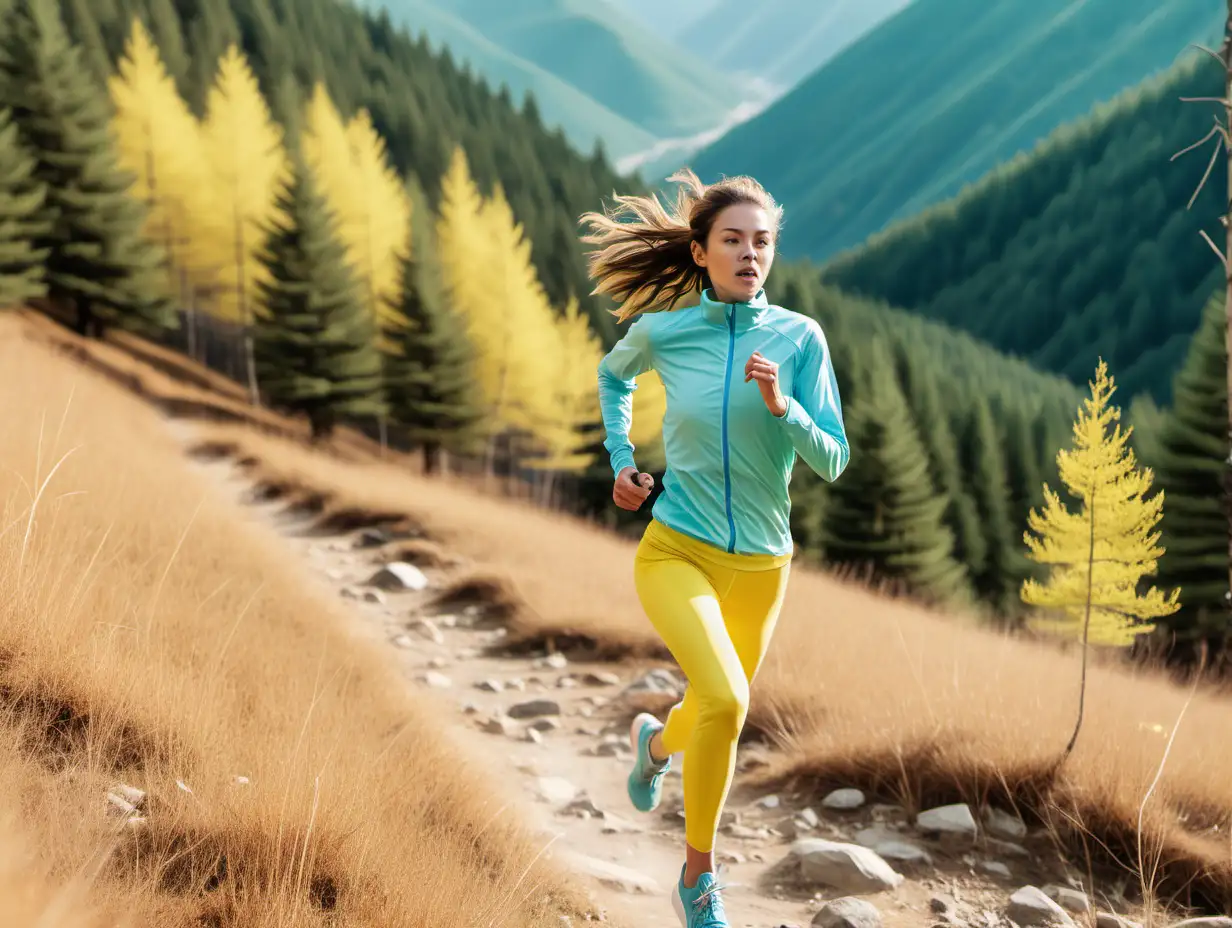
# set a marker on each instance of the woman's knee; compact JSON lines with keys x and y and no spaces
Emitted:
{"x":727,"y":709}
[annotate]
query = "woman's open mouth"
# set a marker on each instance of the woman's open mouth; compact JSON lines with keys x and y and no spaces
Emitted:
{"x":747,"y":274}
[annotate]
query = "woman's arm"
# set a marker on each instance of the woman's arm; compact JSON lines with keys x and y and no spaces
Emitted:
{"x":814,"y":416}
{"x":628,"y":358}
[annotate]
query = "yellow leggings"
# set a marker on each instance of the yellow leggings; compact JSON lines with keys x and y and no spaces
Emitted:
{"x":715,"y":612}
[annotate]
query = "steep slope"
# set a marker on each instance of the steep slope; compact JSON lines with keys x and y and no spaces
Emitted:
{"x":935,"y":97}
{"x":1083,"y":248}
{"x":665,"y":88}
{"x":783,"y":41}
{"x":583,"y":119}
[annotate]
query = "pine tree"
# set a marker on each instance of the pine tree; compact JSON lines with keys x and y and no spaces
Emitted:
{"x":21,"y":197}
{"x":1098,"y":556}
{"x":430,"y":377}
{"x":314,"y":342}
{"x":885,"y":514}
{"x":1190,"y":457}
{"x":999,"y":577}
{"x":98,"y":261}
{"x":249,"y":163}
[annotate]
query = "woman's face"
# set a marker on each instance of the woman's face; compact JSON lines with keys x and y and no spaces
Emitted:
{"x":738,"y":252}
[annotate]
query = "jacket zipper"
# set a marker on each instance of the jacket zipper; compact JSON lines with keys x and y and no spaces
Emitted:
{"x":727,"y":490}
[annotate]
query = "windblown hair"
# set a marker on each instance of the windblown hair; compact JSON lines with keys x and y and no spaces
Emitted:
{"x":647,"y":261}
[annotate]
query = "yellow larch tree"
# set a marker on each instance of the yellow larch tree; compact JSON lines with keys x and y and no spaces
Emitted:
{"x":568,"y":384}
{"x":379,"y":221}
{"x":646,"y":429}
{"x":1098,"y":555}
{"x":160,"y":141}
{"x":249,"y":165}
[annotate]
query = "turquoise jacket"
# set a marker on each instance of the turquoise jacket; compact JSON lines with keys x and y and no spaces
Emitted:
{"x":729,"y":459}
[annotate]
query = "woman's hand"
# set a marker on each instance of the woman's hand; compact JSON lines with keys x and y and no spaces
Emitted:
{"x":766,"y":373}
{"x":631,"y":488}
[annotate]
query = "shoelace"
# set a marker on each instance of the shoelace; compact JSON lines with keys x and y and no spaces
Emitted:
{"x":712,"y":903}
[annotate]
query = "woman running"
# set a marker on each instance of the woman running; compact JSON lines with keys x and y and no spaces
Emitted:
{"x":749,"y":387}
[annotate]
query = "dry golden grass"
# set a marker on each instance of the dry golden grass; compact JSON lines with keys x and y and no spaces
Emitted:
{"x":150,"y":636}
{"x":858,"y":689}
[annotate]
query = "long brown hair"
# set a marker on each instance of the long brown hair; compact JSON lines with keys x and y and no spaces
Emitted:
{"x":649,"y":257}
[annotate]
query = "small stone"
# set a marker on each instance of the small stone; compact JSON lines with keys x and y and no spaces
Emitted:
{"x":544,"y":725}
{"x":847,"y":912}
{"x":555,"y":790}
{"x":744,"y":832}
{"x":436,"y":680}
{"x":348,"y":592}
{"x":600,"y":678}
{"x":498,"y":725}
{"x":1207,"y":921}
{"x":399,"y":576}
{"x":372,"y":538}
{"x":556,"y":661}
{"x":615,"y":825}
{"x":1007,"y":847}
{"x":335,"y":573}
{"x":1110,"y":920}
{"x":768,"y":802}
{"x":533,"y":735}
{"x":844,"y":799}
{"x":731,"y":857}
{"x":438,"y":663}
{"x":405,"y":642}
{"x":515,"y":683}
{"x":534,"y":708}
{"x":808,"y":817}
{"x":948,"y":820}
{"x":995,"y":868}
{"x":374,"y":596}
{"x":428,"y":629}
{"x":489,"y":686}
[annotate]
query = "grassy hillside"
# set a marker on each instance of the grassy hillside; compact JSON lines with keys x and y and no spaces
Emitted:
{"x":1081,"y":248}
{"x":938,"y":95}
{"x":151,"y":637}
{"x":666,"y":88}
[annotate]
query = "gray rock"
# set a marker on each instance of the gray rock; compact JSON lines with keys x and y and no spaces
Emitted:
{"x":498,"y":725}
{"x":995,"y":868}
{"x":808,"y":818}
{"x":374,"y":596}
{"x":1008,"y":848}
{"x":399,"y":575}
{"x":849,"y":868}
{"x":892,"y":846}
{"x":436,"y":680}
{"x":1004,"y":825}
{"x":553,"y":661}
{"x":489,"y":686}
{"x":534,"y":708}
{"x":600,"y":678}
{"x":659,"y":680}
{"x":844,"y":799}
{"x":544,"y":725}
{"x":1030,"y":907}
{"x":1072,"y":900}
{"x":954,"y":820}
{"x":848,"y":912}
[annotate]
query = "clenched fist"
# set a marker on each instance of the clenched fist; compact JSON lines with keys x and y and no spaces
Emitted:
{"x":631,"y":488}
{"x":766,"y":373}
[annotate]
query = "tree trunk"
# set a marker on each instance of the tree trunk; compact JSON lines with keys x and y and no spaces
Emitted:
{"x":1225,"y":53}
{"x":85,"y":318}
{"x":432,"y":457}
{"x":322,"y":421}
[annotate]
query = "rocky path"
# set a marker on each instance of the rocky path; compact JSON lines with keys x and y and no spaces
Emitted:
{"x":557,"y":733}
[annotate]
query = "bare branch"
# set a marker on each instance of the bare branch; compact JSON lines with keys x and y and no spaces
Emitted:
{"x":1213,"y":54}
{"x":1198,"y":144}
{"x":1222,"y":100}
{"x":1207,"y":173}
{"x":1222,"y":259}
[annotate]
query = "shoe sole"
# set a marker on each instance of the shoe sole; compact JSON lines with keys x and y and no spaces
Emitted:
{"x":635,"y":728}
{"x":678,"y":906}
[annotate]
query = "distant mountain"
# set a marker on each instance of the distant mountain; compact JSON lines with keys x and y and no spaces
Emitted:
{"x":1081,"y":249}
{"x":594,"y":70}
{"x":935,"y":97}
{"x":669,"y":20}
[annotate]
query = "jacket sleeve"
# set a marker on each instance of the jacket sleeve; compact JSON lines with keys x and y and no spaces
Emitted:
{"x":814,"y":417}
{"x":628,"y":358}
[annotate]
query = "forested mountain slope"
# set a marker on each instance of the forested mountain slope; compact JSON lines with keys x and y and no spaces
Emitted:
{"x":937,"y":96}
{"x":420,"y":102}
{"x":1082,"y":248}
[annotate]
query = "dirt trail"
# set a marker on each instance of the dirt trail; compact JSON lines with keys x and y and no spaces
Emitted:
{"x":568,"y":757}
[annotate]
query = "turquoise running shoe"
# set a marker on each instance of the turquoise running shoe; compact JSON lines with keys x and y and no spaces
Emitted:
{"x":701,"y":906}
{"x":646,"y":778}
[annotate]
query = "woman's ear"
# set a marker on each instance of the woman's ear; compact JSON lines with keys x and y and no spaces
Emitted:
{"x":699,"y":253}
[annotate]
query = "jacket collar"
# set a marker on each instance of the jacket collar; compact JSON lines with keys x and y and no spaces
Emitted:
{"x":747,"y":314}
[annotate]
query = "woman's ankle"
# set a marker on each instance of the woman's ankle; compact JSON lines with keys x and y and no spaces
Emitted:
{"x":658,"y":753}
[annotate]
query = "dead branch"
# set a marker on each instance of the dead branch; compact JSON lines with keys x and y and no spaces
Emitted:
{"x":1222,"y":259}
{"x":1213,"y":54}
